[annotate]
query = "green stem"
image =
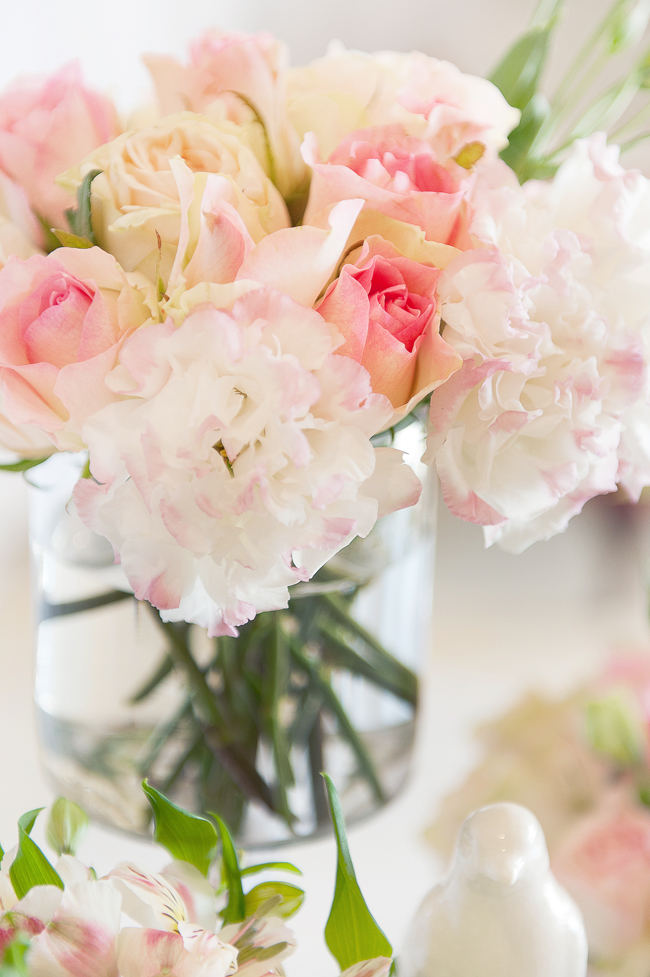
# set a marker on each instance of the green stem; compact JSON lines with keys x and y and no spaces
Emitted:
{"x":48,"y":611}
{"x":399,"y":673}
{"x":219,"y":735}
{"x":337,"y":652}
{"x":160,"y":737}
{"x":154,"y":680}
{"x":332,"y":703}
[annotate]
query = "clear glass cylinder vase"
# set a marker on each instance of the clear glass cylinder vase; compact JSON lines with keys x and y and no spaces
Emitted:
{"x":241,"y":726}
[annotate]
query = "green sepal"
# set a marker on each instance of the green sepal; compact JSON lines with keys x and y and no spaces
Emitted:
{"x":284,"y":899}
{"x":68,"y":240}
{"x":30,"y":867}
{"x":24,"y":465}
{"x":271,"y":867}
{"x":186,"y":836}
{"x":66,"y":825}
{"x":351,"y":932}
{"x":80,"y":217}
{"x":235,"y":909}
{"x":13,"y":962}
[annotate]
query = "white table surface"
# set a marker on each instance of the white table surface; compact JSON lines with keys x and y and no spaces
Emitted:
{"x":503,"y":624}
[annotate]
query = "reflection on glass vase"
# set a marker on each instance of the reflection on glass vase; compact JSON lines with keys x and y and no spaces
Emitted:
{"x":242,"y":726}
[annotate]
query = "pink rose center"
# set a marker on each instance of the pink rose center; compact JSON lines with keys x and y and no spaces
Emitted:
{"x":52,"y":320}
{"x":402,"y":313}
{"x":397,"y":169}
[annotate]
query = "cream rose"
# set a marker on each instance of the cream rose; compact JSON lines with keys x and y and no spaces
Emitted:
{"x":136,"y":201}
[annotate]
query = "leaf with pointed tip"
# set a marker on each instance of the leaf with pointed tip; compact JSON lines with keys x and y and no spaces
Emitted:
{"x":518,"y":73}
{"x":69,"y":240}
{"x":235,"y":909}
{"x":271,"y":867}
{"x":24,"y":465}
{"x":80,"y":217}
{"x":66,"y":824}
{"x":286,"y":899}
{"x":186,"y":836}
{"x":30,"y":867}
{"x":351,"y":932}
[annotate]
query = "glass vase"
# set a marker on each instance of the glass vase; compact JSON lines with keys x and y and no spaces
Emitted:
{"x":241,"y":726}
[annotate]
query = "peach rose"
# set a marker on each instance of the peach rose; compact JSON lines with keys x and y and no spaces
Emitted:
{"x":395,"y":175}
{"x":136,"y":205}
{"x":62,"y":320}
{"x":47,"y":125}
{"x":385,"y":306}
{"x":243,"y":77}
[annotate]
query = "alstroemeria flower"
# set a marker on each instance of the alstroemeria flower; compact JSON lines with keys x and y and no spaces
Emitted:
{"x":187,"y":953}
{"x":244,"y":460}
{"x":386,"y":308}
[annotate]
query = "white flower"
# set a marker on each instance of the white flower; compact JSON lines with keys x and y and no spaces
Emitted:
{"x":239,"y":461}
{"x":551,"y":314}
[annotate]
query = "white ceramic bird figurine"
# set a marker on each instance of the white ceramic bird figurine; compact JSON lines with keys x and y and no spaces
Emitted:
{"x":500,"y":912}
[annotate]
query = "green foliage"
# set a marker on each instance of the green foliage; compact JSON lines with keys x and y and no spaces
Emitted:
{"x":186,"y":837}
{"x":351,"y":932}
{"x":13,"y":962}
{"x":22,"y":466}
{"x":235,"y":909}
{"x":519,"y":72}
{"x":282,"y":898}
{"x":614,"y":729}
{"x":80,"y":217}
{"x":30,"y":867}
{"x":67,"y":823}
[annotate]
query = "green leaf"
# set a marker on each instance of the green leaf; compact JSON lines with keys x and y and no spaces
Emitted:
{"x":186,"y":836}
{"x":69,"y":240}
{"x":615,"y":728}
{"x":67,"y":823}
{"x":24,"y":465}
{"x":235,"y":909}
{"x":628,"y":25}
{"x":351,"y":932}
{"x":286,"y":899}
{"x":270,"y":867}
{"x":522,"y":138}
{"x":518,"y":73}
{"x":13,"y":959}
{"x":30,"y":867}
{"x":80,"y":218}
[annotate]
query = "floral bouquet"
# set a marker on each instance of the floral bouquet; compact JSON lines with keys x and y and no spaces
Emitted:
{"x":267,"y":283}
{"x":193,"y":919}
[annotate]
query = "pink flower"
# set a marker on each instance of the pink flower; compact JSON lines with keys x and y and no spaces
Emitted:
{"x":46,"y":126}
{"x":243,"y":76}
{"x":605,"y":865}
{"x":396,"y":175}
{"x":386,"y":308}
{"x":244,"y":459}
{"x":62,"y":319}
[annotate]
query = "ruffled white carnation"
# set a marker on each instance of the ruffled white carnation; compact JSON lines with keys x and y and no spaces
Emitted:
{"x":243,"y":459}
{"x":551,"y":314}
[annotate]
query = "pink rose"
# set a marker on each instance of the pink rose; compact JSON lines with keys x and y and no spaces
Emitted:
{"x":46,"y":126}
{"x":243,"y":76}
{"x":385,"y":305}
{"x":396,"y":175}
{"x":605,"y":865}
{"x":62,"y":319}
